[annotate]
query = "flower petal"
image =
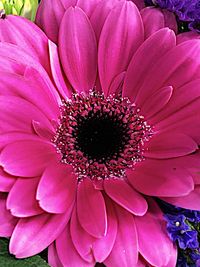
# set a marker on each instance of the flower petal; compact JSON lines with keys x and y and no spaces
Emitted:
{"x":67,"y":252}
{"x":87,"y":6}
{"x":170,"y":145}
{"x":24,"y":204}
{"x":125,"y":249}
{"x":159,"y":44}
{"x":152,"y":237}
{"x":57,"y":72}
{"x":78,"y":49}
{"x":177,"y":67}
{"x":57,"y":188}
{"x":26,"y":35}
{"x":100,"y":13}
{"x":190,"y":201}
{"x":14,"y":118}
{"x":53,"y":258}
{"x":34,"y":234}
{"x":82,"y":241}
{"x":7,"y":221}
{"x":125,"y":196}
{"x":121,"y":35}
{"x":91,"y":209}
{"x":49,"y":16}
{"x":157,"y":101}
{"x":103,"y":246}
{"x":6,"y":181}
{"x":27,"y":158}
{"x":161,"y":178}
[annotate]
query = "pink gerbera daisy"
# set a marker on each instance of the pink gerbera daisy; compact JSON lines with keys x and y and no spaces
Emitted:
{"x":91,"y":131}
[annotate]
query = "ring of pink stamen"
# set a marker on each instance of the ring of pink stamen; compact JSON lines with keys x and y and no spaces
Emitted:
{"x":121,"y":110}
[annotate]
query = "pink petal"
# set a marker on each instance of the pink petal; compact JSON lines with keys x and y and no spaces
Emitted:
{"x":7,"y":221}
{"x":57,"y":188}
{"x":125,"y":196}
{"x":152,"y":25}
{"x":103,"y":246}
{"x":152,"y":237}
{"x":117,"y":84}
{"x":186,"y":36}
{"x":67,"y":252}
{"x":159,"y":44}
{"x":14,"y":118}
{"x":6,"y":181}
{"x":87,"y":6}
{"x":26,"y":35}
{"x":181,"y":97}
{"x":78,"y":49}
{"x":161,"y":178}
{"x":53,"y":258}
{"x":100,"y":14}
{"x":34,"y":234}
{"x":68,"y":3}
{"x":125,"y":249}
{"x":121,"y":35}
{"x":190,"y":201}
{"x":24,"y":204}
{"x":157,"y":101}
{"x":42,"y":131}
{"x":35,"y":93}
{"x":8,"y":138}
{"x":91,"y":209}
{"x":139,"y":4}
{"x":49,"y":16}
{"x":170,"y":145}
{"x":176,"y":68}
{"x":82,"y":241}
{"x":170,"y":20}
{"x":57,"y":72}
{"x":27,"y":158}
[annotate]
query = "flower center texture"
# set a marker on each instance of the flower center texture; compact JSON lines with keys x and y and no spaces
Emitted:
{"x":101,"y":136}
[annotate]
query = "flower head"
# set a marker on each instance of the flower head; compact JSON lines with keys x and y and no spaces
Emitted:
{"x":24,"y":8}
{"x":91,"y":130}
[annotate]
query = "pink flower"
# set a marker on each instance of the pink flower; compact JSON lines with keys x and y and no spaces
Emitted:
{"x":87,"y":141}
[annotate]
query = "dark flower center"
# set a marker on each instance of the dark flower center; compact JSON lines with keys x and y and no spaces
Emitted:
{"x":101,"y":137}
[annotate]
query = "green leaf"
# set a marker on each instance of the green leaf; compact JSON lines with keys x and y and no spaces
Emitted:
{"x":7,"y":260}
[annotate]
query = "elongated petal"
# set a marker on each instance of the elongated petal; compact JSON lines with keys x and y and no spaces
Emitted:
{"x":82,"y":240}
{"x":6,"y":181}
{"x":103,"y":246}
{"x":121,"y":35}
{"x":190,"y":201}
{"x":34,"y":92}
{"x":53,"y":258}
{"x":28,"y":158}
{"x":170,"y":145}
{"x":57,"y":188}
{"x":161,"y":178}
{"x":125,"y":196}
{"x":7,"y":221}
{"x":152,"y":237}
{"x":57,"y":72}
{"x":91,"y":209}
{"x":67,"y":252}
{"x":125,"y":249}
{"x":157,"y":101}
{"x":176,"y":68}
{"x":78,"y":49}
{"x":26,"y":35}
{"x":34,"y":234}
{"x":24,"y":204}
{"x":159,"y":44}
{"x":100,"y":13}
{"x":49,"y":16}
{"x":87,"y":6}
{"x":14,"y":118}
